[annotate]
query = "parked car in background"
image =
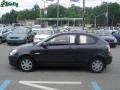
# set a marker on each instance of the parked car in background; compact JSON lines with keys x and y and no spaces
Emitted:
{"x":117,"y":36}
{"x":42,"y":34}
{"x":3,"y":34}
{"x":107,"y":36}
{"x":111,"y":29}
{"x":10,"y":28}
{"x":20,"y":35}
{"x":36,"y":28}
{"x":64,"y":49}
{"x":17,"y":24}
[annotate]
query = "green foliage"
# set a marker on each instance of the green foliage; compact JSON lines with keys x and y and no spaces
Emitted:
{"x":71,"y":12}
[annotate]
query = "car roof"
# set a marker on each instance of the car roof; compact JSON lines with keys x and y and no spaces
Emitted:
{"x":74,"y":33}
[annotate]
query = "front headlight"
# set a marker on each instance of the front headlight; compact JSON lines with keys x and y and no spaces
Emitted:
{"x":115,"y":40}
{"x":13,"y":52}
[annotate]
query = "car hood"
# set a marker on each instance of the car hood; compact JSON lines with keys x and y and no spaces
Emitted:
{"x":108,"y":37}
{"x":26,"y":47}
{"x":116,"y":35}
{"x":17,"y":35}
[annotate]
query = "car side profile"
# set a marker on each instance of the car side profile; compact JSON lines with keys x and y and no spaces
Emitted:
{"x":69,"y":49}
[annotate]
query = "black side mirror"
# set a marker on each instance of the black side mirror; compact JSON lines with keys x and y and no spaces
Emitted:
{"x":113,"y":33}
{"x":34,"y":33}
{"x":44,"y":45}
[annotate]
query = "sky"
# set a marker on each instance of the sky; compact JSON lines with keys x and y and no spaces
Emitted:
{"x":28,"y":4}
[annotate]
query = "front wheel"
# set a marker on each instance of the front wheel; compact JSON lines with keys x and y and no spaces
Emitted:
{"x":26,"y":64}
{"x":97,"y":65}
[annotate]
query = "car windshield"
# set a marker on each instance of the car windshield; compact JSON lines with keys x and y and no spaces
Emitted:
{"x":46,"y":32}
{"x":103,"y":33}
{"x":43,"y":40}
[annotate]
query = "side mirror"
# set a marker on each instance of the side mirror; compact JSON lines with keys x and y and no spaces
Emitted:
{"x":34,"y":33}
{"x":44,"y":45}
{"x":113,"y":33}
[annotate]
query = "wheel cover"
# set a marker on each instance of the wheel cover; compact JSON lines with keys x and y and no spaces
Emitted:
{"x":26,"y":64}
{"x":97,"y":65}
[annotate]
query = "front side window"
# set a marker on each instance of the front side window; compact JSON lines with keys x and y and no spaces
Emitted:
{"x":84,"y":39}
{"x":62,"y":39}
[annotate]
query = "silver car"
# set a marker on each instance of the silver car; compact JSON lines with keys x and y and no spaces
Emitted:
{"x":3,"y":34}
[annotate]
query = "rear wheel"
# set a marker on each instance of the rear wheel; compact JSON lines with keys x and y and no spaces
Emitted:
{"x":97,"y":65}
{"x":26,"y":64}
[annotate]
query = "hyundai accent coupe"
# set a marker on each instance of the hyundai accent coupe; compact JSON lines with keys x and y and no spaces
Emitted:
{"x":69,"y":49}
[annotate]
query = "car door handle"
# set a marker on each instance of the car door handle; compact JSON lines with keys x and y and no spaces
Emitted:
{"x":70,"y":47}
{"x":37,"y":53}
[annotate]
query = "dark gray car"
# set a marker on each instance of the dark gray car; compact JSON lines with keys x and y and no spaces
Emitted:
{"x":65,"y":49}
{"x":20,"y":35}
{"x":3,"y":34}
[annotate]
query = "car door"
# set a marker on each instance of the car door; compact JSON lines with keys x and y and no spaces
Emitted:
{"x":58,"y":50}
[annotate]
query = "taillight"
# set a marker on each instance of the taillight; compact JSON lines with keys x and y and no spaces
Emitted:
{"x":108,"y":47}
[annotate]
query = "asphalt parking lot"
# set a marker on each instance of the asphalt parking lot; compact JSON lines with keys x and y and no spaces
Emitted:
{"x":58,"y":79}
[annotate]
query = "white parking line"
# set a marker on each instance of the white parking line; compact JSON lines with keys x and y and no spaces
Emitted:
{"x":34,"y":84}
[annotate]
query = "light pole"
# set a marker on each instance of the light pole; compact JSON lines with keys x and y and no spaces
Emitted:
{"x":44,"y":9}
{"x":107,"y":16}
{"x":113,"y":20}
{"x":57,"y":13}
{"x":83,"y":14}
{"x":42,"y":16}
{"x":95,"y":23}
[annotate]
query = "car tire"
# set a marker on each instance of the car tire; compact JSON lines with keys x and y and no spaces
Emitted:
{"x":97,"y":65}
{"x":0,"y":40}
{"x":26,"y":64}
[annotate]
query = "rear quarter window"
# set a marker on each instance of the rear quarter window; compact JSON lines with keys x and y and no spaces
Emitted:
{"x":86,"y":39}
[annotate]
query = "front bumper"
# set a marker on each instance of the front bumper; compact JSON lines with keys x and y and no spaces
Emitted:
{"x":13,"y":60}
{"x":113,"y":44}
{"x":15,"y":41}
